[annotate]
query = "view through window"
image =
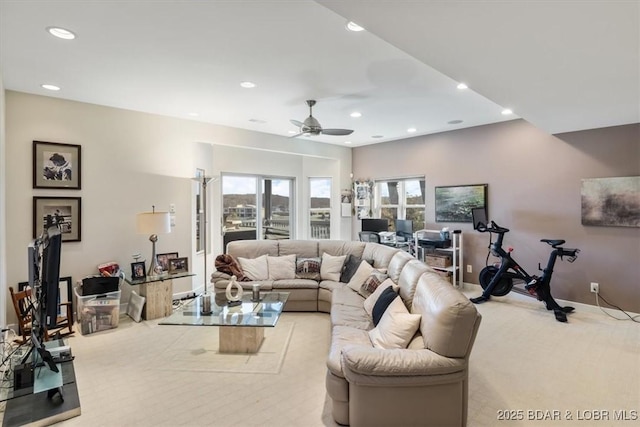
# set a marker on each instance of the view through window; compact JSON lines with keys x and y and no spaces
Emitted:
{"x":320,"y":208}
{"x":400,"y":199}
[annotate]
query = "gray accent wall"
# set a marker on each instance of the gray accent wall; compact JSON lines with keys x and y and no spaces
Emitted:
{"x":534,"y":189}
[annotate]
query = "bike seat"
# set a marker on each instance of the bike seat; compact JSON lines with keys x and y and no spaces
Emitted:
{"x":553,"y":243}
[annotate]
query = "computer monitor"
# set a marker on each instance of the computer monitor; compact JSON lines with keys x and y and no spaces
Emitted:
{"x":479,"y":216}
{"x":404,"y":226}
{"x":377,"y":224}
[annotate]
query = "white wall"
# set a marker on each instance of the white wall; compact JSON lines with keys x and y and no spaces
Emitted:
{"x":131,"y":161}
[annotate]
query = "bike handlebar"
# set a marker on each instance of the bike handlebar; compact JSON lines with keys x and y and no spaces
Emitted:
{"x":495,"y":228}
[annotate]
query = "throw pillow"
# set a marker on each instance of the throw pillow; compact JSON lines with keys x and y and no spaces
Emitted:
{"x":386,"y":298}
{"x":371,"y":283}
{"x":281,"y":267}
{"x":331,"y":267}
{"x":255,"y":268}
{"x":350,"y":267}
{"x":361,"y":274}
{"x":308,"y":268}
{"x":396,"y":328}
{"x":371,"y":300}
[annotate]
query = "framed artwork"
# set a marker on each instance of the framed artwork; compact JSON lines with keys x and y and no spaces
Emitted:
{"x":178,"y":265}
{"x":138,"y":270}
{"x":65,"y":212}
{"x":163,"y":259}
{"x":613,"y":202}
{"x":56,"y":165}
{"x":345,"y":203}
{"x":454,"y":203}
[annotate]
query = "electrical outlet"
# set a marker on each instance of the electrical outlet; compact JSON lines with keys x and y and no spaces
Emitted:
{"x":595,"y":287}
{"x":469,"y":268}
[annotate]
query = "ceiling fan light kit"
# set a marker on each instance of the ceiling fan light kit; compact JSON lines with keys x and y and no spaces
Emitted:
{"x":312,"y":127}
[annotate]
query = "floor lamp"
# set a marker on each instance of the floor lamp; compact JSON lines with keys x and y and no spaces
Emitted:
{"x":205,"y":298}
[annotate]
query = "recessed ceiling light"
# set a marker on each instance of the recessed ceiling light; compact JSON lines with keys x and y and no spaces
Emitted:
{"x":347,"y":142}
{"x":292,"y":132}
{"x":462,"y":86}
{"x":194,"y":114}
{"x":258,"y":121}
{"x":352,"y":26}
{"x":377,"y":136}
{"x":61,"y":33}
{"x":50,"y":87}
{"x":506,"y":112}
{"x":248,"y":85}
{"x":411,"y":130}
{"x":356,"y":114}
{"x":454,"y":122}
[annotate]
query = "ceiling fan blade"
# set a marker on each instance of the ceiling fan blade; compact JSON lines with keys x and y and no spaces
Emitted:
{"x":337,"y":132}
{"x":297,"y":123}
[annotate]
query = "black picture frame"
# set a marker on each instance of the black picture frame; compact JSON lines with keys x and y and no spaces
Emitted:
{"x":454,"y":202}
{"x":66,"y":212}
{"x":138,"y":270}
{"x":57,"y":165}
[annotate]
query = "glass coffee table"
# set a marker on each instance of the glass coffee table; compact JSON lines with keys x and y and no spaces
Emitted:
{"x":241,"y":327}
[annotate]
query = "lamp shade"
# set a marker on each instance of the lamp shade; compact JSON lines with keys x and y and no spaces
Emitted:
{"x":153,"y":223}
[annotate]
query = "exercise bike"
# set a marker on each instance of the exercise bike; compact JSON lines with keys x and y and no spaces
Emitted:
{"x":497,"y":280}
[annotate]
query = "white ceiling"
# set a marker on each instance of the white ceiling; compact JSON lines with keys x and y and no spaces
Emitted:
{"x":563,"y":65}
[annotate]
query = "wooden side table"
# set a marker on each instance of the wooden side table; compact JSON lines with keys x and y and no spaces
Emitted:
{"x":158,"y":293}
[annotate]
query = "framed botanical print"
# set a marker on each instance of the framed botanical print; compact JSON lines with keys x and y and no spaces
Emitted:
{"x":56,"y":165}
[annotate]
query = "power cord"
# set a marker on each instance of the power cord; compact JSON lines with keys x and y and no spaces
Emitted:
{"x":632,"y":318}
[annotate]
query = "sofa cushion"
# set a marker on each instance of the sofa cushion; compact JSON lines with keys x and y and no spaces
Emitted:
{"x":386,"y":298}
{"x":396,"y":328}
{"x":331,"y":267}
{"x":308,"y":268}
{"x":350,"y":316}
{"x":397,"y":263}
{"x":255,"y":268}
{"x":340,"y":337}
{"x":371,"y":283}
{"x":252,"y":248}
{"x":448,"y":317}
{"x":408,"y":280}
{"x":350,"y":267}
{"x":281,"y":267}
{"x":299,"y":248}
{"x":284,"y":284}
{"x":362,"y":273}
{"x":370,"y":302}
{"x":341,"y":247}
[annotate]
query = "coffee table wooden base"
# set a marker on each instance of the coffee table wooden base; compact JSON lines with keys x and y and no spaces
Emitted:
{"x":240,"y":339}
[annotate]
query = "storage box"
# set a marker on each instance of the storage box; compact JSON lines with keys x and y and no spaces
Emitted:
{"x":437,"y":260}
{"x":446,"y":275}
{"x":97,"y":312}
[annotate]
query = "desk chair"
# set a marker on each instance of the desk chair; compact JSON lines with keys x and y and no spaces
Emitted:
{"x":22,"y":304}
{"x":369,"y":236}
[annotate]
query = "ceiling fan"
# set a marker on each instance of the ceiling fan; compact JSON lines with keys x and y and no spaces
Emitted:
{"x":311,"y":126}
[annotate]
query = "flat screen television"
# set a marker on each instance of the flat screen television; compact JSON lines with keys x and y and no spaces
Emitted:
{"x":479,"y":216}
{"x":51,"y":276}
{"x":375,"y":224}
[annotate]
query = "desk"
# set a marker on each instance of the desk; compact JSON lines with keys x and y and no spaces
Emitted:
{"x":24,"y":407}
{"x":158,"y":292}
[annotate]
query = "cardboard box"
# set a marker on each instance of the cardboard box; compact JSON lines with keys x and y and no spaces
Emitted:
{"x":437,"y":260}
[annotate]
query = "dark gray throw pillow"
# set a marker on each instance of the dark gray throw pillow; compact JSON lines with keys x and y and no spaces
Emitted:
{"x":350,"y":267}
{"x":386,"y":297}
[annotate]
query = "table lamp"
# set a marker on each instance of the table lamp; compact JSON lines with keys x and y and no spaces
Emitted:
{"x":153,"y":223}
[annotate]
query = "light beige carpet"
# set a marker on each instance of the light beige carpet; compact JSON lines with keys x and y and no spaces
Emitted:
{"x":195,"y":348}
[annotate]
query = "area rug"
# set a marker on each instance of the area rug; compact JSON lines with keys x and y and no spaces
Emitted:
{"x":195,"y":348}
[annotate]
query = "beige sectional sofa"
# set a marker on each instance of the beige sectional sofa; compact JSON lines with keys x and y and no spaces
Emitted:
{"x":425,"y":383}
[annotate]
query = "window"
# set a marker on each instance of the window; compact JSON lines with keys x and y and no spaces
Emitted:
{"x":320,"y":208}
{"x":400,"y":199}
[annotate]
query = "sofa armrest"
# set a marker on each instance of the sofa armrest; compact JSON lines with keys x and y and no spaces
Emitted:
{"x":218,"y":275}
{"x":370,"y":361}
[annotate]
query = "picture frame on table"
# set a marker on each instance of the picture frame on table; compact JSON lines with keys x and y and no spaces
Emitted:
{"x":163,"y":260}
{"x":65,"y":212}
{"x":178,"y":265}
{"x":138,"y":270}
{"x":57,"y":165}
